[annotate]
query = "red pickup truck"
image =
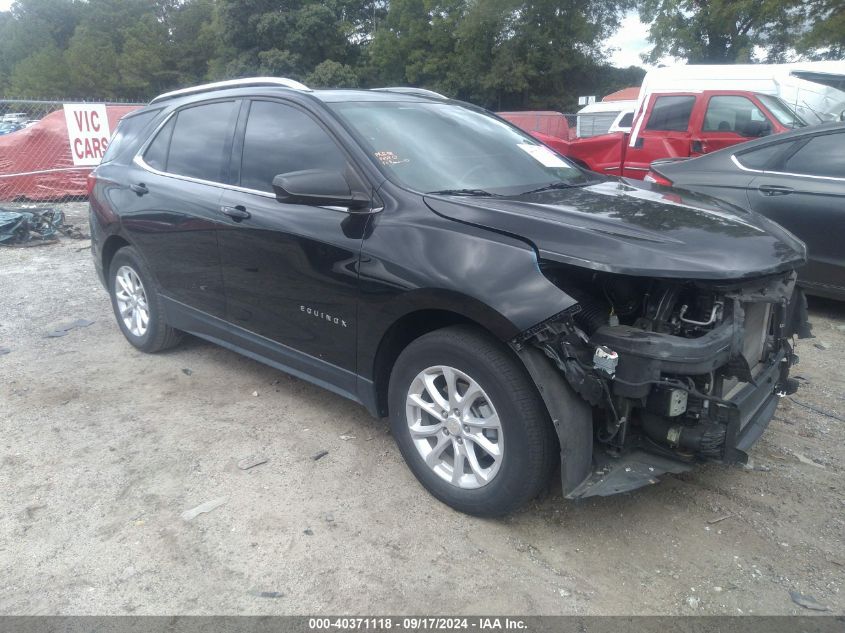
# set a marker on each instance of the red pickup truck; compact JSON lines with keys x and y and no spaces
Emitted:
{"x":678,"y":125}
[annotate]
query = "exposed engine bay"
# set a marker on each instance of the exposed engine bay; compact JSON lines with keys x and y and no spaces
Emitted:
{"x":675,"y":371}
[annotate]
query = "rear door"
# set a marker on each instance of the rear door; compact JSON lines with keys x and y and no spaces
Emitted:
{"x":174,"y":214}
{"x":291,"y":270}
{"x":806,"y":194}
{"x":728,"y":120}
{"x":663,"y":133}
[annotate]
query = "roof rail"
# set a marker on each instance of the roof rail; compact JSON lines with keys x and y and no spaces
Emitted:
{"x":233,"y":83}
{"x":409,"y":90}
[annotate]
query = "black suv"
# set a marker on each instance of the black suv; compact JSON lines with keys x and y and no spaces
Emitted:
{"x":505,"y":308}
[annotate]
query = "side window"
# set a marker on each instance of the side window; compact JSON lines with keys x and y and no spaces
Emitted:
{"x":735,"y":114}
{"x":156,"y":154}
{"x":627,"y":120}
{"x":762,"y":157}
{"x":822,"y":156}
{"x":200,"y":139}
{"x":671,"y":113}
{"x":280,"y":139}
{"x":128,"y":127}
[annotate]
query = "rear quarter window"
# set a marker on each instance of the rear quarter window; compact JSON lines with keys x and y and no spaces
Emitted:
{"x":763,"y":157}
{"x":156,"y":154}
{"x":128,"y":129}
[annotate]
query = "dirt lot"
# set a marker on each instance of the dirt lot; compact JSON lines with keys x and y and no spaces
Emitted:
{"x":104,"y":448}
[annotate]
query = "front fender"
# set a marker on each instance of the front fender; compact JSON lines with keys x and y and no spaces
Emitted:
{"x":488,"y":278}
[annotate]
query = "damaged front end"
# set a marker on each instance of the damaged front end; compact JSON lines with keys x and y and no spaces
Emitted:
{"x":667,"y":372}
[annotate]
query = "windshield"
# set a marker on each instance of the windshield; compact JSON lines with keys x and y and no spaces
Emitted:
{"x":440,"y":147}
{"x":782,"y":112}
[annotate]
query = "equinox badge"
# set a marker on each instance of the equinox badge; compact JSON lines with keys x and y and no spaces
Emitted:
{"x":323,"y":316}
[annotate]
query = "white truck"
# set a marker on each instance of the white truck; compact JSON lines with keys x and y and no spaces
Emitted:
{"x":814,"y":90}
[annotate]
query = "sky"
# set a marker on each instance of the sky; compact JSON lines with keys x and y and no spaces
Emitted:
{"x":629,"y":40}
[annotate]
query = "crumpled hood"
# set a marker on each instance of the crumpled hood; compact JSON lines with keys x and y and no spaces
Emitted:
{"x":617,"y":227}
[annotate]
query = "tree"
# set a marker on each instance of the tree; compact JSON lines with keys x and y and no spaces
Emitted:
{"x":406,"y":40}
{"x":195,"y":39}
{"x":332,"y":74}
{"x":499,"y":53}
{"x":721,"y":31}
{"x":92,"y":64}
{"x":824,"y":38}
{"x":284,"y":36}
{"x":43,"y":75}
{"x":144,"y":63}
{"x":31,"y":25}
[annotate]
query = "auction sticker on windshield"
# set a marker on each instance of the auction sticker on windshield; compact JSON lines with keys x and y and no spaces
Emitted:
{"x":542,"y":155}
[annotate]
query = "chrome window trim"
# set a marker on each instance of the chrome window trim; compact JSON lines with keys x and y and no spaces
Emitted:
{"x":736,"y":162}
{"x":139,"y":161}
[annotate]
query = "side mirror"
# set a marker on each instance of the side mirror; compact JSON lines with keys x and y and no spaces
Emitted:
{"x":318,"y":187}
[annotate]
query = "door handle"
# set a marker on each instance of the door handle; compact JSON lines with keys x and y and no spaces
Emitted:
{"x":139,"y":188}
{"x":774,"y":190}
{"x":237,"y":213}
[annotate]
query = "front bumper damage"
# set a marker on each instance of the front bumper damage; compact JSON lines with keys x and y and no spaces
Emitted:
{"x":665,"y":401}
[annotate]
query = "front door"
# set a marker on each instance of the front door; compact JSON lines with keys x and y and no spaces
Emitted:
{"x":728,"y":120}
{"x":290,"y":270}
{"x":662,"y":133}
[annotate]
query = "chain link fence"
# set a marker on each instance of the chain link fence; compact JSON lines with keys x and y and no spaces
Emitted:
{"x":48,"y":148}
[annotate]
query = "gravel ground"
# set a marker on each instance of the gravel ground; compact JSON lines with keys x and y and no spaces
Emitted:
{"x":104,"y":449}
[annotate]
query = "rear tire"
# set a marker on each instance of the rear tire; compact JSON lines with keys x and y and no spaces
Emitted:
{"x":483,"y":443}
{"x":137,"y":305}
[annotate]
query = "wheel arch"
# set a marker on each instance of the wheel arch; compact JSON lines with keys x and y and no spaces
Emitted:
{"x":412,"y":324}
{"x":112,"y":244}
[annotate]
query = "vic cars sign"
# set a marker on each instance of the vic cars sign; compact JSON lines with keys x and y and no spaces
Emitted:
{"x":88,"y":132}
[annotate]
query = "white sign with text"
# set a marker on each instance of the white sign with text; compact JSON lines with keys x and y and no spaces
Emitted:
{"x":88,"y":132}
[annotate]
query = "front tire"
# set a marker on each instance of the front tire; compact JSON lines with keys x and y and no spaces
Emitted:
{"x":136,"y":303}
{"x":469,"y":422}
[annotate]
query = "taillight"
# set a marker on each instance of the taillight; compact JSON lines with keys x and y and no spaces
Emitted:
{"x":91,"y":181}
{"x":657,"y":179}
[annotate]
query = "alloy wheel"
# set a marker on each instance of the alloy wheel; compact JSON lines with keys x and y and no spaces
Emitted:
{"x":132,"y":301}
{"x":454,"y":426}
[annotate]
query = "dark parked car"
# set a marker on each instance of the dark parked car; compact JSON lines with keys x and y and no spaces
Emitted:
{"x":797,"y":179}
{"x":506,"y":309}
{"x":7,"y":127}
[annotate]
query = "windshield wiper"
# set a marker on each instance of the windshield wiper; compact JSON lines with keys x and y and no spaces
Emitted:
{"x":463,"y":192}
{"x":549,"y":187}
